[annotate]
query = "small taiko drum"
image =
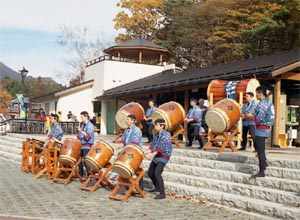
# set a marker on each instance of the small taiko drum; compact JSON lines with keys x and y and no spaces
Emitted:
{"x":218,"y":88}
{"x":128,"y":161}
{"x":70,"y":151}
{"x":132,"y":108}
{"x":223,"y":115}
{"x":173,"y":114}
{"x":52,"y":143}
{"x":38,"y":144}
{"x":99,"y":155}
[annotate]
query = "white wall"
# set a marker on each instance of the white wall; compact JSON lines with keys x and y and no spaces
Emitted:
{"x":76,"y":102}
{"x":108,"y":74}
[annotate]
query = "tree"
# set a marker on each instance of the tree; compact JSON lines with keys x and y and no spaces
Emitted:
{"x":5,"y":99}
{"x":140,"y":19}
{"x":81,"y":47}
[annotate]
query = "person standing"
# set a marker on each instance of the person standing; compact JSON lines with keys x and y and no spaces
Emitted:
{"x":193,"y":119}
{"x":264,"y":118}
{"x":248,"y":122}
{"x":159,"y":152}
{"x":132,"y":135}
{"x":203,"y":109}
{"x":148,"y":120}
{"x":86,"y":138}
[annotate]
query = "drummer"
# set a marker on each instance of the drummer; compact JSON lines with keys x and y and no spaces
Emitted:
{"x":160,"y":153}
{"x":86,"y":138}
{"x":131,"y":135}
{"x":56,"y":130}
{"x":148,"y":120}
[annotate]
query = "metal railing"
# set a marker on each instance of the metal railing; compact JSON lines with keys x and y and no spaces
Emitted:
{"x":29,"y":126}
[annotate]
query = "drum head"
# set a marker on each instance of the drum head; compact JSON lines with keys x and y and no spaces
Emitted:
{"x":92,"y":163}
{"x":121,"y":118}
{"x":122,"y":169}
{"x":160,"y":114}
{"x":66,"y":159}
{"x":215,"y":120}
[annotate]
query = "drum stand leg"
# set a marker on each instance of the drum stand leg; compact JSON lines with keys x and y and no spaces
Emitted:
{"x":228,"y":138}
{"x":67,"y":170}
{"x":25,"y":156}
{"x":129,"y":184}
{"x":100,"y":176}
{"x":121,"y":131}
{"x":178,"y":131}
{"x":50,"y":163}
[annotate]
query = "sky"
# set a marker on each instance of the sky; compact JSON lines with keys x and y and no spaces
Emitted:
{"x":29,"y":31}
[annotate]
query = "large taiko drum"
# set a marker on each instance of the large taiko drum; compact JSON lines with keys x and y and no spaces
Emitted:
{"x":223,"y":115}
{"x":132,"y":108}
{"x":128,"y":161}
{"x":70,"y":151}
{"x":99,"y":155}
{"x":221,"y":88}
{"x":173,"y":114}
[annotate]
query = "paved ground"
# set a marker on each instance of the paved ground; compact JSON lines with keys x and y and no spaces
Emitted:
{"x":22,"y":197}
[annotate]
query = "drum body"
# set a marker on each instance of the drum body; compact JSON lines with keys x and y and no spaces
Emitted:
{"x":38,"y":144}
{"x":223,"y":115}
{"x":217,"y":88}
{"x":70,"y":151}
{"x":51,"y":144}
{"x":173,"y":114}
{"x":132,"y":108}
{"x":99,"y":155}
{"x":128,"y":161}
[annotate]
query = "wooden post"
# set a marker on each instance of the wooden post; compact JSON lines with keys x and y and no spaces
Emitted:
{"x":240,"y":123}
{"x":116,"y":109}
{"x":186,"y":107}
{"x":119,"y":55}
{"x":160,"y":58}
{"x":140,"y":56}
{"x":277,"y":93}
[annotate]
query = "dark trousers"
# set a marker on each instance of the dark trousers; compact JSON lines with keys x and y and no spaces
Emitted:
{"x":193,"y":131}
{"x":251,"y":129}
{"x":260,"y":148}
{"x":150,"y":132}
{"x":154,"y":172}
{"x":205,"y":127}
{"x":83,"y":153}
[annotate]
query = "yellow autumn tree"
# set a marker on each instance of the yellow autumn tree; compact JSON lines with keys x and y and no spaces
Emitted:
{"x":5,"y":99}
{"x":139,"y":19}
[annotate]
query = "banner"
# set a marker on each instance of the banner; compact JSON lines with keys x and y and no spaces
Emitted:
{"x":22,"y":106}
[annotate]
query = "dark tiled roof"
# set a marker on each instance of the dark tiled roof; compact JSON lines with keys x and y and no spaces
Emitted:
{"x":259,"y":66}
{"x":138,"y":43}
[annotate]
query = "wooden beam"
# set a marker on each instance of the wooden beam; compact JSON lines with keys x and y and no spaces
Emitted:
{"x":291,"y":76}
{"x":140,"y":56}
{"x":116,"y":109}
{"x":186,"y":108}
{"x":277,"y":93}
{"x":286,"y":68}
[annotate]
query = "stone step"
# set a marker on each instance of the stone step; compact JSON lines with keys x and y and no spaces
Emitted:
{"x":237,"y":167}
{"x":11,"y":156}
{"x":256,"y":192}
{"x":10,"y":149}
{"x":231,"y":176}
{"x":10,"y":143}
{"x":235,"y":158}
{"x":275,"y":210}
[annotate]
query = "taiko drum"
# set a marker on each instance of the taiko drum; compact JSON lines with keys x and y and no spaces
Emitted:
{"x":128,"y":161}
{"x":53,"y":142}
{"x":223,"y":115}
{"x":173,"y":114}
{"x":99,"y":155}
{"x":217,"y":88}
{"x":70,"y":151}
{"x":132,"y":108}
{"x":38,"y":144}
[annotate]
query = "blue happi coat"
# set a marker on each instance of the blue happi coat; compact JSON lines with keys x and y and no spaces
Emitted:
{"x":162,"y":144}
{"x":264,"y":117}
{"x":195,"y":114}
{"x":132,"y":135}
{"x":86,"y":140}
{"x":149,"y":113}
{"x":249,"y":106}
{"x":56,"y":132}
